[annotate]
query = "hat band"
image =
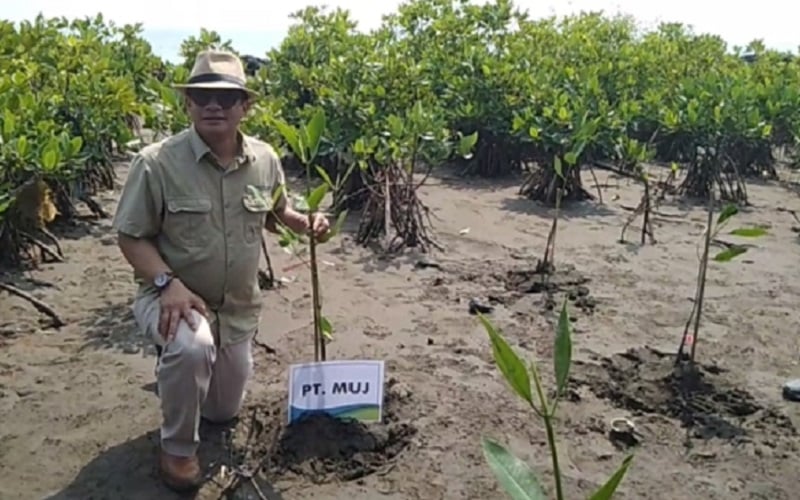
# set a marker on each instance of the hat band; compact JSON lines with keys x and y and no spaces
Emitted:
{"x":215,"y":77}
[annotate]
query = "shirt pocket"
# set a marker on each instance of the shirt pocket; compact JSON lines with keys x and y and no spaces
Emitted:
{"x":188,"y":221}
{"x":257,"y":202}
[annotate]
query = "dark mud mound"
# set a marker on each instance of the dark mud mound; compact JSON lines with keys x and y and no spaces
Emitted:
{"x":565,"y":279}
{"x":508,"y":282}
{"x":541,"y":280}
{"x":320,"y":448}
{"x":703,"y":399}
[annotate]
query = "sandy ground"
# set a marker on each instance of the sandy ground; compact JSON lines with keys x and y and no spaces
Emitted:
{"x":80,"y":418}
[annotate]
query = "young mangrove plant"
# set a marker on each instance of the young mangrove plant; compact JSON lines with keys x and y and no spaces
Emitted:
{"x":547,"y":264}
{"x":514,"y":475}
{"x":631,"y":156}
{"x":653,"y":195}
{"x":305,"y":142}
{"x":730,"y":252}
{"x":391,"y":161}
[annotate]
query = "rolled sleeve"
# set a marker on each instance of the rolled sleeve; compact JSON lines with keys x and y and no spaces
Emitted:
{"x":140,"y":205}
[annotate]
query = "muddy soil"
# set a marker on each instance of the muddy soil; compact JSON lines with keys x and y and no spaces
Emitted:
{"x":80,"y":419}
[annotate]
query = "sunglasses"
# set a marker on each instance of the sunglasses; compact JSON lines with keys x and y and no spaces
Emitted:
{"x":225,"y":98}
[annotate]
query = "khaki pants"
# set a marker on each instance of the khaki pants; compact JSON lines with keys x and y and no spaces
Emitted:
{"x":195,"y":378}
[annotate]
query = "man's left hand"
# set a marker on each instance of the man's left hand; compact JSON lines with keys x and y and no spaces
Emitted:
{"x":320,"y":225}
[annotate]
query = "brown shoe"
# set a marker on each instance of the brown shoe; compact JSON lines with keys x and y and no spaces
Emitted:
{"x":180,"y":473}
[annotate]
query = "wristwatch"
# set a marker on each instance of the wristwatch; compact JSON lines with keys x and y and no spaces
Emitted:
{"x":162,"y":280}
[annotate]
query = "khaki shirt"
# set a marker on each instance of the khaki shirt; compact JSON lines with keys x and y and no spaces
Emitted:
{"x":205,"y":221}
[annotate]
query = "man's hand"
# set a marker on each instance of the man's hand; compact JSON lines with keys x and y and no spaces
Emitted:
{"x":320,"y":226}
{"x":298,"y":222}
{"x":177,"y":303}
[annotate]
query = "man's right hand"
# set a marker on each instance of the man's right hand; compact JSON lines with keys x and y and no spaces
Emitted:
{"x":176,"y":303}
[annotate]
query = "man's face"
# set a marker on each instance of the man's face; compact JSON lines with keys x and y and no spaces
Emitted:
{"x":216,"y":112}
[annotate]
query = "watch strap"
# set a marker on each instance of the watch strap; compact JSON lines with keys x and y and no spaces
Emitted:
{"x":162,"y":280}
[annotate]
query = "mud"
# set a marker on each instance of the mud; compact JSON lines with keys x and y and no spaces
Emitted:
{"x":565,"y":278}
{"x":704,"y":399}
{"x":80,"y":419}
{"x":507,"y":282}
{"x":320,"y":448}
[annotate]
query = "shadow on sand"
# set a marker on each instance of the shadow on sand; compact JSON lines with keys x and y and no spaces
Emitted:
{"x":129,"y":471}
{"x":570,"y":210}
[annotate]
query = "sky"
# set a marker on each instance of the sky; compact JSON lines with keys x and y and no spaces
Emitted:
{"x":255,"y":26}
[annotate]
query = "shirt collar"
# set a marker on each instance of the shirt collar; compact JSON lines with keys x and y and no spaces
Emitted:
{"x":200,"y":149}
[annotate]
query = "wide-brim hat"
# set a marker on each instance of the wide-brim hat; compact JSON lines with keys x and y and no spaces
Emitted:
{"x":217,"y":69}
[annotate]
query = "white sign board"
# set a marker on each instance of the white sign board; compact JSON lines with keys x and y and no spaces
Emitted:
{"x":342,"y":389}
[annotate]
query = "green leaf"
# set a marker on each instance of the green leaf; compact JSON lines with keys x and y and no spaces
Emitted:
{"x":326,"y":327}
{"x":563,"y":349}
{"x":557,"y":167}
{"x":313,"y":134}
{"x":289,"y":134}
{"x":730,"y":254}
{"x":466,"y":143}
{"x":75,"y":145}
{"x":288,"y":237}
{"x":571,"y":158}
{"x":607,"y":490}
{"x":337,"y":226}
{"x":514,"y":475}
{"x":509,"y":364}
{"x":280,"y":191}
{"x":300,"y":203}
{"x":49,"y":159}
{"x":9,"y":124}
{"x":23,"y":146}
{"x":5,"y":202}
{"x":322,"y":173}
{"x":316,"y":196}
{"x":727,"y":212}
{"x":749,"y":232}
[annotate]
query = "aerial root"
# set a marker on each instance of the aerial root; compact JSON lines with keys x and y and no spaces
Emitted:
{"x":38,"y":304}
{"x":393,"y":204}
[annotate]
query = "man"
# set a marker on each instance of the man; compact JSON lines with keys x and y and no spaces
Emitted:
{"x":190,"y":221}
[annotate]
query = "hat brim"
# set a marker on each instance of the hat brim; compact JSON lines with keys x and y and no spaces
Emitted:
{"x":214,"y":86}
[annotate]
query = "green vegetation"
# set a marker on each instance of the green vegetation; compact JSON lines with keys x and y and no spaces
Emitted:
{"x":68,"y":92}
{"x":516,"y":478}
{"x":730,"y":252}
{"x":305,"y":143}
{"x":439,"y":82}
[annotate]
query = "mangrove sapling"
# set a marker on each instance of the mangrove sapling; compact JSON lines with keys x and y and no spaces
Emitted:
{"x":547,"y":264}
{"x":393,"y":160}
{"x":631,"y":157}
{"x":540,"y":185}
{"x":644,"y":208}
{"x":652,"y":197}
{"x":305,"y":145}
{"x":730,"y":252}
{"x":514,"y":475}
